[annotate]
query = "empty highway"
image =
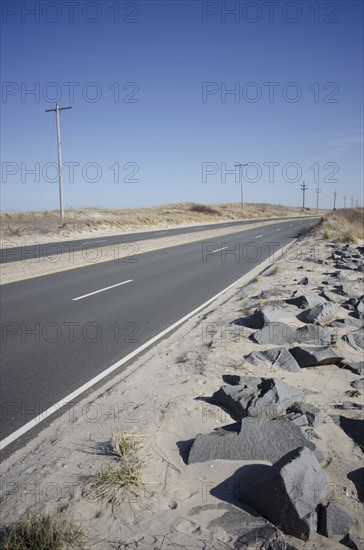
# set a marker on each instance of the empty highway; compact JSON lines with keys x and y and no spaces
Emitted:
{"x":10,"y":253}
{"x":60,"y":331}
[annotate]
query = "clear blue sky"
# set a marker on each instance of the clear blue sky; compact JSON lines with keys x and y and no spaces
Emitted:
{"x":173,"y":130}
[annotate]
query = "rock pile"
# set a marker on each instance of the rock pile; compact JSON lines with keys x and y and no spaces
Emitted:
{"x":349,"y":257}
{"x":273,"y":421}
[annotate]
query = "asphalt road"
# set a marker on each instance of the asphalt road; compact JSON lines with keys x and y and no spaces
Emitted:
{"x":22,"y":252}
{"x":61,"y":330}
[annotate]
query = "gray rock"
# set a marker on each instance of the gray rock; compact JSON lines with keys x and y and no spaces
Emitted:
{"x":305,"y":301}
{"x":339,"y":276}
{"x":275,"y":333}
{"x":300,"y":421}
{"x":348,"y":306}
{"x":356,"y":305}
{"x":349,"y":405}
{"x":312,"y":335}
{"x":345,"y":263}
{"x":253,"y":442}
{"x":263,"y":538}
{"x":359,"y":310}
{"x":353,"y":301}
{"x":346,"y":290}
{"x":324,"y":313}
{"x":313,"y":414}
{"x":355,"y":339}
{"x":276,"y":357}
{"x":330,"y":296}
{"x":354,"y":428}
{"x":258,"y":397}
{"x":357,"y":367}
{"x":270,"y":270}
{"x":358,"y":384}
{"x":246,"y":529}
{"x":265,"y":315}
{"x":289,"y":492}
{"x":313,"y":357}
{"x":281,"y":333}
{"x":333,"y":520}
{"x":303,"y":281}
{"x":347,"y":322}
{"x":350,"y":542}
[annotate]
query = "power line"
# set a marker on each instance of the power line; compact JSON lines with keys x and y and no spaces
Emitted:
{"x":57,"y":111}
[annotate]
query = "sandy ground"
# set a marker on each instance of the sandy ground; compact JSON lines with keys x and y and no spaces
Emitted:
{"x":158,"y":398}
{"x":92,"y":254}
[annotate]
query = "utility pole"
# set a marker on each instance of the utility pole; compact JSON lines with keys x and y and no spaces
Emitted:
{"x":318,"y":191}
{"x":57,"y":111}
{"x":356,"y":202}
{"x":304,"y":189}
{"x":352,"y":202}
{"x":335,"y":194}
{"x":241,"y":184}
{"x":345,"y":197}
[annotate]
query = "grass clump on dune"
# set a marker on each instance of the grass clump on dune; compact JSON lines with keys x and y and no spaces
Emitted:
{"x":115,"y":483}
{"x":344,"y":225}
{"x":42,"y":532}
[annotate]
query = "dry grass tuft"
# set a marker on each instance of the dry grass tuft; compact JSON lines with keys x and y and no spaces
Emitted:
{"x":123,"y":445}
{"x":15,"y":231}
{"x":344,"y":225}
{"x":116,"y":483}
{"x":204,"y":209}
{"x":42,"y":532}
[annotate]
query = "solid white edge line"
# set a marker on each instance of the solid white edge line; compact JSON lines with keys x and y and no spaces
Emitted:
{"x":101,"y":290}
{"x":24,"y":429}
{"x":222,"y":248}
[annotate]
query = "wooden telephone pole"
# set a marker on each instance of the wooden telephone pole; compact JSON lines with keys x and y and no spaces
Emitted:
{"x":335,"y":195}
{"x":318,"y":191}
{"x":57,"y":111}
{"x":303,"y":189}
{"x":241,"y":184}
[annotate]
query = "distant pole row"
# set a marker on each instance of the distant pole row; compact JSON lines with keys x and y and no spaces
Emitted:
{"x":304,"y":188}
{"x":335,"y":194}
